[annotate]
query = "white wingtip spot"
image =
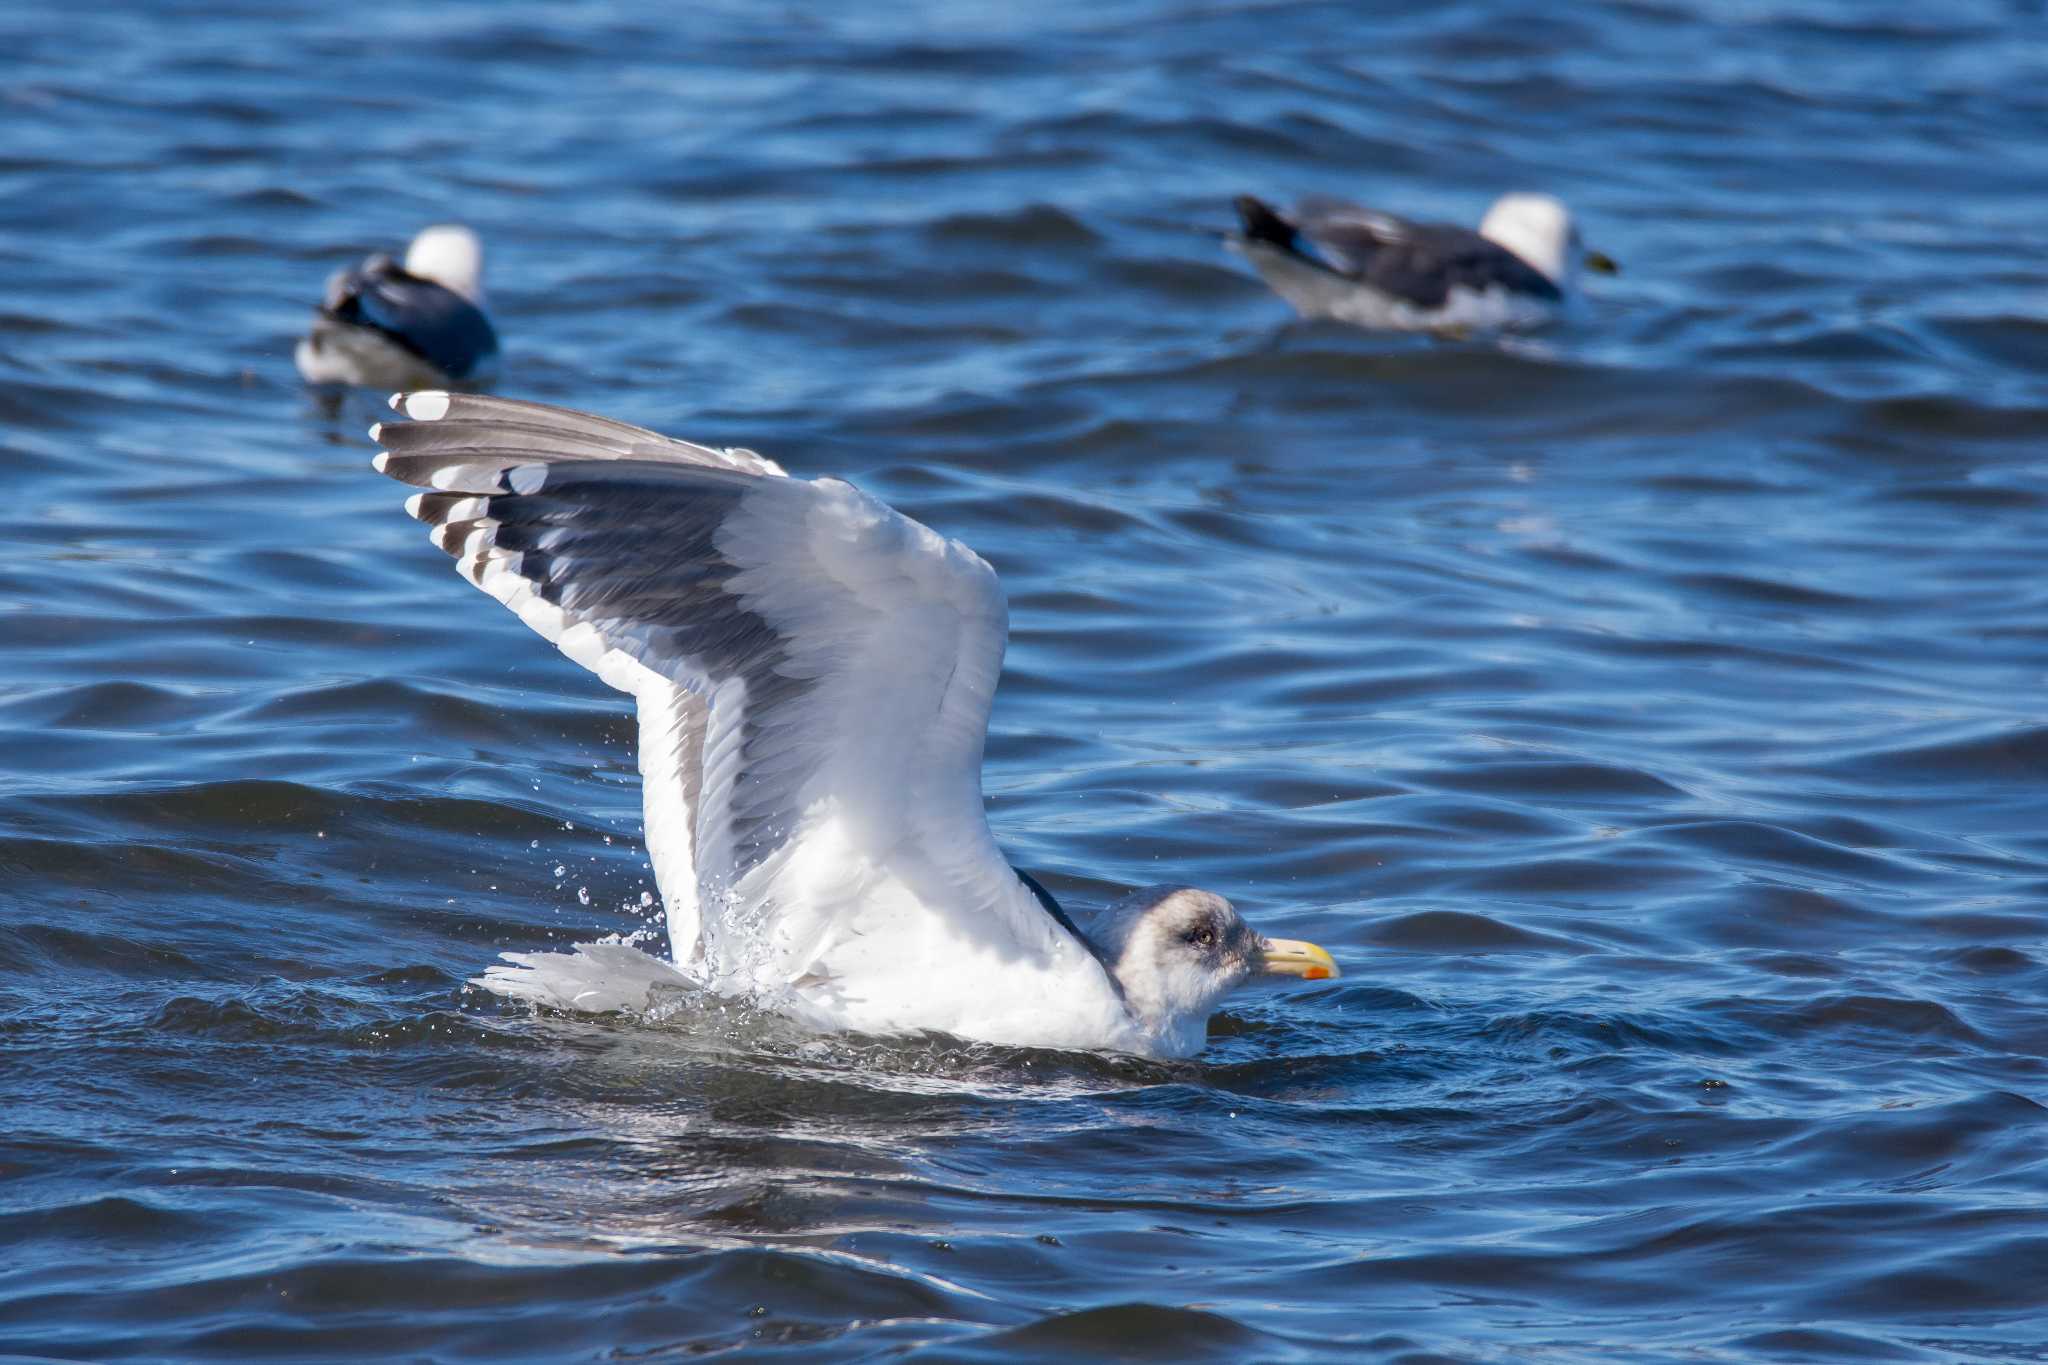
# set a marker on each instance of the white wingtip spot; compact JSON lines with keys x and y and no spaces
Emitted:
{"x":380,"y":460}
{"x":430,"y":406}
{"x":377,"y":432}
{"x":396,"y":402}
{"x":412,"y":505}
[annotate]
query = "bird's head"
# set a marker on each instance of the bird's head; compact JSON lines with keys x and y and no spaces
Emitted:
{"x":451,"y":256}
{"x":1176,"y":951}
{"x":1540,"y":230}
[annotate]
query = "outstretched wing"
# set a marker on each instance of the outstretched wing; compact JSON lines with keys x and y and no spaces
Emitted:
{"x":1418,"y":263}
{"x":813,"y":671}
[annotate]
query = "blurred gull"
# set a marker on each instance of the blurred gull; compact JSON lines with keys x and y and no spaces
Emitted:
{"x":1333,"y":259}
{"x":813,"y":673}
{"x":393,"y":326}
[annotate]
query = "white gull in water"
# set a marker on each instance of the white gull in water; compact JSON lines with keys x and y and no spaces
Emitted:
{"x":1333,"y":259}
{"x":396,"y":326}
{"x":813,"y":673}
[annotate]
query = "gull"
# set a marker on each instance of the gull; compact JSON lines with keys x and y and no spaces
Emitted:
{"x":1333,"y":259}
{"x":389,"y":325}
{"x":813,"y":673}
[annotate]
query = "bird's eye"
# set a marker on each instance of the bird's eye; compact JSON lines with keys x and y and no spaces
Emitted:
{"x":1204,"y":937}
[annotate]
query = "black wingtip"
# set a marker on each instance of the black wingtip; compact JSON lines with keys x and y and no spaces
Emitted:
{"x":1262,"y":223}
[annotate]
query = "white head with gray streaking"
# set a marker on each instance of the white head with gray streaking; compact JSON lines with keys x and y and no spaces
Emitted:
{"x":1176,"y":951}
{"x":451,"y":256}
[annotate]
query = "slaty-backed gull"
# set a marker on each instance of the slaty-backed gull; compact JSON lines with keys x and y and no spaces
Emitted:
{"x":1333,"y":259}
{"x":397,"y":326}
{"x":813,"y":673}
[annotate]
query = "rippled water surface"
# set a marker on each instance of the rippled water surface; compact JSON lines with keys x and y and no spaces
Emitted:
{"x":1649,"y":714}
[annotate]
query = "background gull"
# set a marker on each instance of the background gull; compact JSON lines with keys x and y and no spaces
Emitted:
{"x":399,"y":326}
{"x":813,"y":673}
{"x":1334,"y":259}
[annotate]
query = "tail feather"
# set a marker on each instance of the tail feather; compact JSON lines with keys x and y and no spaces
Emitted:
{"x":1263,"y":223}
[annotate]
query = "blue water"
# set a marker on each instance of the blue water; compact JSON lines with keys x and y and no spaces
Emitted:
{"x":1648,"y":714}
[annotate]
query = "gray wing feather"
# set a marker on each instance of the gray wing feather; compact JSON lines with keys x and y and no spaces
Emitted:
{"x":485,"y":420}
{"x":1419,"y":263}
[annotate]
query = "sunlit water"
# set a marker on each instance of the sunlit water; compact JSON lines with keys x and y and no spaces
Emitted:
{"x":1649,"y":715}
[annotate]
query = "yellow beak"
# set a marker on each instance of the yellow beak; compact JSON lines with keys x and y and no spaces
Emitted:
{"x":1292,"y":957}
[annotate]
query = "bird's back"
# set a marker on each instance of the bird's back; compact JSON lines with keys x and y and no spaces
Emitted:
{"x":380,"y":324}
{"x":1417,"y":263}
